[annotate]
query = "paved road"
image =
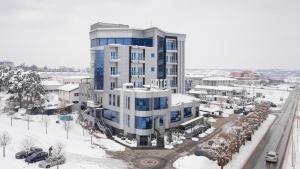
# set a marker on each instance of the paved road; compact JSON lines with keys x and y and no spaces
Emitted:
{"x":277,"y":136}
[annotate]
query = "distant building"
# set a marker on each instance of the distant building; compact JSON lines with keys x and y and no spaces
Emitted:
{"x":69,"y":93}
{"x":6,"y":64}
{"x":245,"y":75}
{"x":51,"y":85}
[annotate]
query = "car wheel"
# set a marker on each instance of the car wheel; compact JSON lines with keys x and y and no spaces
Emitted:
{"x":48,"y":166}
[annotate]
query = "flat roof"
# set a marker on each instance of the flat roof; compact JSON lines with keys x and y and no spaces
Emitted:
{"x":219,"y":79}
{"x":50,"y":83}
{"x":223,"y":88}
{"x":69,"y":87}
{"x":178,"y":98}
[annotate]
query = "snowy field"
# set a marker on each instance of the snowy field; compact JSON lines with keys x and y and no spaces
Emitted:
{"x":79,"y":152}
{"x":271,"y":94}
{"x":200,"y":162}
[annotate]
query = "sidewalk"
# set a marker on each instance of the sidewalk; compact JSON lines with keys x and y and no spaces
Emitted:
{"x":292,"y":158}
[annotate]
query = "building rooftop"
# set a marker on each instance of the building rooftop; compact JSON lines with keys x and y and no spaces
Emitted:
{"x":50,"y":83}
{"x":182,"y":98}
{"x":223,"y":88}
{"x":69,"y":87}
{"x":218,"y":79}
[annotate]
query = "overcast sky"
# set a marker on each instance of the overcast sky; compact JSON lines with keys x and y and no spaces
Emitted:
{"x":250,"y":34}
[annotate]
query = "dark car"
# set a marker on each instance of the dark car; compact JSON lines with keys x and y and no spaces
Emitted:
{"x":39,"y":156}
{"x":24,"y":154}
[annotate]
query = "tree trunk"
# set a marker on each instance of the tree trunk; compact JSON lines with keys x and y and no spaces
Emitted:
{"x":67,"y":134}
{"x":28,"y":123}
{"x":3,"y":151}
{"x":222,"y":166}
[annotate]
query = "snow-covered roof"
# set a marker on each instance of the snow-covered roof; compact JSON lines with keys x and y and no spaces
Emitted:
{"x":182,"y":98}
{"x":197,"y":92}
{"x":50,"y":83}
{"x":212,"y":108}
{"x":76,"y":77}
{"x":223,"y":88}
{"x":69,"y":87}
{"x":219,"y":79}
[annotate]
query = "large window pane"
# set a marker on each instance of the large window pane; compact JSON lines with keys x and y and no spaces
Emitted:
{"x":111,"y":115}
{"x":160,"y":103}
{"x":187,"y":112}
{"x":143,"y":104}
{"x":175,"y":116}
{"x":143,"y":122}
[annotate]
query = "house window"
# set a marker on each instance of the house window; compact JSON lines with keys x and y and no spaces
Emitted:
{"x":128,"y":103}
{"x":152,"y":55}
{"x":111,"y":115}
{"x":76,"y":94}
{"x":160,"y":103}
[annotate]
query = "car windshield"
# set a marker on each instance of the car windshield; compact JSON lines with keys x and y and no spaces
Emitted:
{"x":271,"y":155}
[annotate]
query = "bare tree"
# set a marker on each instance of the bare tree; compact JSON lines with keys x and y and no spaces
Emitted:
{"x":58,"y":151}
{"x":45,"y":123}
{"x":27,"y":143}
{"x":68,"y":127}
{"x":5,"y":139}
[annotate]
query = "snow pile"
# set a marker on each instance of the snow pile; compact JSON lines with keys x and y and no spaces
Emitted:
{"x":192,"y":161}
{"x":211,"y":120}
{"x":202,"y":135}
{"x":109,"y":144}
{"x":210,"y":130}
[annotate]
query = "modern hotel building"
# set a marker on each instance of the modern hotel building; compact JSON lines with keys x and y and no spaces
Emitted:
{"x":135,"y":74}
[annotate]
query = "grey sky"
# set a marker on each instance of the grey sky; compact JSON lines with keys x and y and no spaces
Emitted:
{"x":220,"y":33}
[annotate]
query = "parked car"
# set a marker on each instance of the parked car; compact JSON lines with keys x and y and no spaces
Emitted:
{"x":24,"y":154}
{"x":39,"y":156}
{"x":272,"y":156}
{"x":52,"y":161}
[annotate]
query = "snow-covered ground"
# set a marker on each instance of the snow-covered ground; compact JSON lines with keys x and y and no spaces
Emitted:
{"x":271,"y":94}
{"x":200,"y":162}
{"x":79,"y":152}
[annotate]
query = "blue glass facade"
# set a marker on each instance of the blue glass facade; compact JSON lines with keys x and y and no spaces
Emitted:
{"x":147,"y":104}
{"x":99,"y":69}
{"x":161,"y":58}
{"x":143,"y":122}
{"x":143,"y":104}
{"x":187,"y":112}
{"x":111,"y":115}
{"x":122,"y":41}
{"x":160,"y":103}
{"x":175,"y":116}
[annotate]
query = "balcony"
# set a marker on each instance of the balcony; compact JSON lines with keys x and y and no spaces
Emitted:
{"x":114,"y":59}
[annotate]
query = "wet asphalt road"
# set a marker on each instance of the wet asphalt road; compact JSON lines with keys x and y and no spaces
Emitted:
{"x":277,"y":136}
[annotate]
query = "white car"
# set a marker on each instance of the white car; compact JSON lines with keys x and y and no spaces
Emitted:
{"x":271,"y":156}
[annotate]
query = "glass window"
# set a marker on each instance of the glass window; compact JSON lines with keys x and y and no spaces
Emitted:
{"x":118,"y":100}
{"x":143,"y":104}
{"x":187,"y":112}
{"x":152,"y":55}
{"x":143,"y":122}
{"x":161,"y":120}
{"x":128,"y":120}
{"x":111,"y":41}
{"x":111,"y":115}
{"x":160,"y":103}
{"x":103,"y":41}
{"x":109,"y":99}
{"x":152,"y":69}
{"x":114,"y":100}
{"x":175,"y":116}
{"x":128,"y":102}
{"x":99,"y":70}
